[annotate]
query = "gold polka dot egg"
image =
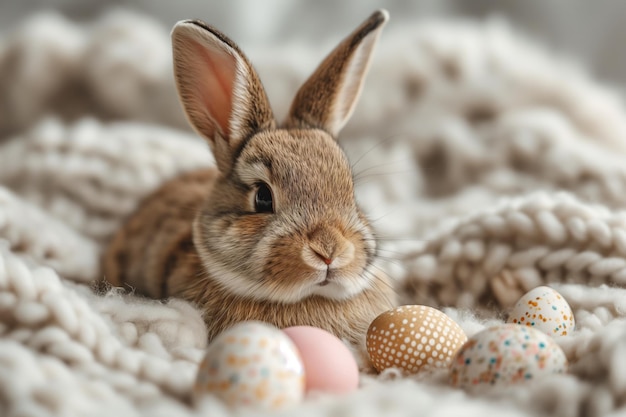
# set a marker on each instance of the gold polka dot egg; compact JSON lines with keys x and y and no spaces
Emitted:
{"x":413,"y":338}
{"x":252,"y":364}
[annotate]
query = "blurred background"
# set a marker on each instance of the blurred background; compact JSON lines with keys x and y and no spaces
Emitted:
{"x":458,"y":101}
{"x":593,"y":33}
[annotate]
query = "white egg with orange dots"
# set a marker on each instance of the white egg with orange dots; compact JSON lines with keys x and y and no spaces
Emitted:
{"x":544,"y":309}
{"x":328,"y":363}
{"x":252,"y":364}
{"x":413,"y":338}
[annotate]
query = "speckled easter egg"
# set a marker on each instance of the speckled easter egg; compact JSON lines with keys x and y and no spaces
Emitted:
{"x":544,"y":309}
{"x":254,"y":365}
{"x":412,"y":338}
{"x":505,"y":355}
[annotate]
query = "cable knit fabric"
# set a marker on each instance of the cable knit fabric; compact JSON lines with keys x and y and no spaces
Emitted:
{"x":488,"y":166}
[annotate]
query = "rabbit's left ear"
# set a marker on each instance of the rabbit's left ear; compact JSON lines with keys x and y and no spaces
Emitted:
{"x":327,"y":99}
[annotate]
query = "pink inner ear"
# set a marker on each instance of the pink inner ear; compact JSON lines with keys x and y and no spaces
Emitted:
{"x":216,"y":75}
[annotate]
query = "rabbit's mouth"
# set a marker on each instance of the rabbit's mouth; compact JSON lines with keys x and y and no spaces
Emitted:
{"x":338,"y":285}
{"x":324,"y":283}
{"x":329,"y":277}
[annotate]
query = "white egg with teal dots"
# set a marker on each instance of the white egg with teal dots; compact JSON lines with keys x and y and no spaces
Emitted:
{"x":506,"y":355}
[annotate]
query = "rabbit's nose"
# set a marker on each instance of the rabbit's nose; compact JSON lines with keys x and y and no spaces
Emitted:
{"x":331,"y":246}
{"x":323,"y":257}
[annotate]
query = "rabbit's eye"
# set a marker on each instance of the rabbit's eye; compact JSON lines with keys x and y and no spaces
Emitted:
{"x":263,"y":202}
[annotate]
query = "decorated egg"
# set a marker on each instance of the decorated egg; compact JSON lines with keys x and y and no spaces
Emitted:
{"x":328,"y":364}
{"x":505,"y":355}
{"x":545,"y":310}
{"x":252,"y":364}
{"x":412,"y":338}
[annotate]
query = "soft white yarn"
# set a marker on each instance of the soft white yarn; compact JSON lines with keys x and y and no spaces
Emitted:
{"x":91,"y":176}
{"x":489,"y":167}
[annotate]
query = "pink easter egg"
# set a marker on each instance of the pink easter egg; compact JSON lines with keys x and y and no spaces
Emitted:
{"x":328,"y":363}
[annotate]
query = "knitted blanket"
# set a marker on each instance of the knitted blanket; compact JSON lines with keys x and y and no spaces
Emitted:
{"x":488,"y":165}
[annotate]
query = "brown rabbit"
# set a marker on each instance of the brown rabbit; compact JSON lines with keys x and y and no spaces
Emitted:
{"x":274,"y":234}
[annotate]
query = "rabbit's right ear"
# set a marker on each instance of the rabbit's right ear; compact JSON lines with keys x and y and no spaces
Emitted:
{"x":328,"y":97}
{"x":219,"y":89}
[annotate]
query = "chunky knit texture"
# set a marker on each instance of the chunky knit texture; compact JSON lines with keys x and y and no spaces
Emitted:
{"x":488,"y":166}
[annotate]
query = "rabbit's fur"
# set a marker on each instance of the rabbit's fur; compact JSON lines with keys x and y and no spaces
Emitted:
{"x":274,"y":234}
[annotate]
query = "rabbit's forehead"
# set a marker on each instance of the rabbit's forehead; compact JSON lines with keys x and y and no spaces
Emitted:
{"x":308,"y":159}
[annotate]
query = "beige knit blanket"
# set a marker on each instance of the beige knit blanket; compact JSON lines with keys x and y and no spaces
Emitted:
{"x":488,"y":165}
